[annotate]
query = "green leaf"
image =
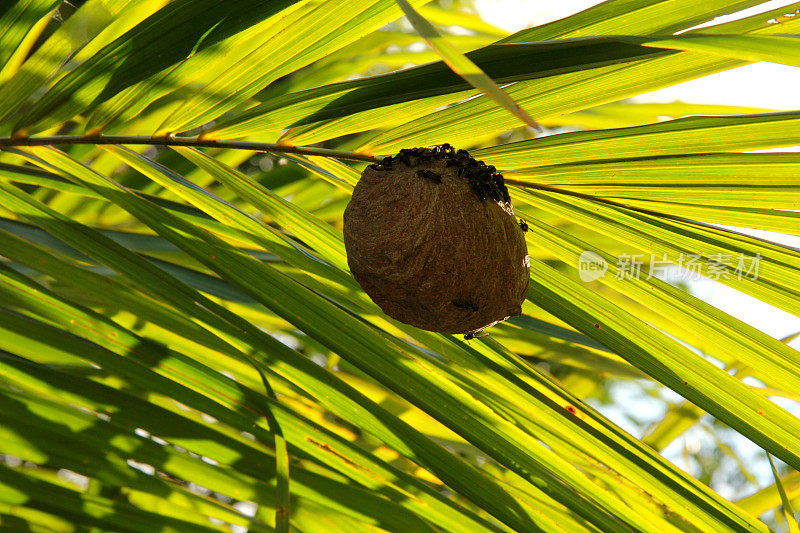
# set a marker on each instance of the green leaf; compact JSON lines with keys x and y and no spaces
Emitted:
{"x":91,"y":27}
{"x":776,"y":48}
{"x":20,"y":23}
{"x":333,"y":393}
{"x":769,"y":497}
{"x":168,"y":36}
{"x":685,"y":136}
{"x":461,"y":65}
{"x":697,"y":379}
{"x":788,"y":513}
{"x":477,"y":120}
{"x":637,"y":17}
{"x":84,"y":509}
{"x":503,"y":63}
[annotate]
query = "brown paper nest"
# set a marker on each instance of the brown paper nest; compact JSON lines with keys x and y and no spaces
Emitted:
{"x":431,"y":237}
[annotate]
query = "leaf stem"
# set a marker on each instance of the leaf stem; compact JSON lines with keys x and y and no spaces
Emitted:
{"x":6,"y":142}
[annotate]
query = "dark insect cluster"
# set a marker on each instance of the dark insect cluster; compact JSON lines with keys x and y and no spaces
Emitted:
{"x":523,"y":225}
{"x":412,"y":157}
{"x":485,"y":180}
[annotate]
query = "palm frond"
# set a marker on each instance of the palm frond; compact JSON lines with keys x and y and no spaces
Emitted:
{"x":183,"y":348}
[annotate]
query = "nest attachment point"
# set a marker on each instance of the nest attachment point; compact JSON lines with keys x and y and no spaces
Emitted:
{"x":431,"y":237}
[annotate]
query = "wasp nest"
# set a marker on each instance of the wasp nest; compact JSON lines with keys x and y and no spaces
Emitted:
{"x":431,"y":237}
